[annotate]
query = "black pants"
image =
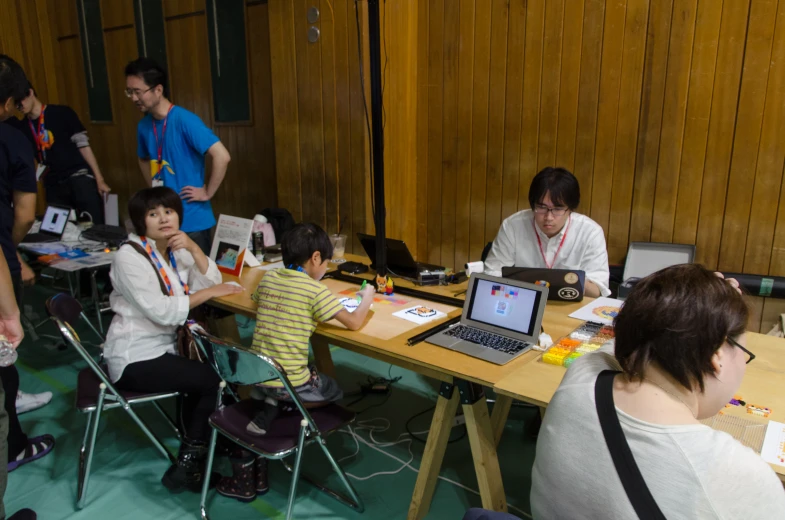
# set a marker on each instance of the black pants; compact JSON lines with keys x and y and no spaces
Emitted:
{"x":17,"y":440}
{"x":203,"y":239}
{"x":79,"y":192}
{"x":197,"y":381}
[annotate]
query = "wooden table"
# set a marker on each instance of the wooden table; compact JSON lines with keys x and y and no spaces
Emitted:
{"x":763,"y":383}
{"x":453,"y":369}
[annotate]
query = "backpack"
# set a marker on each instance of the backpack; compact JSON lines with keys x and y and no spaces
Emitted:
{"x":281,"y":220}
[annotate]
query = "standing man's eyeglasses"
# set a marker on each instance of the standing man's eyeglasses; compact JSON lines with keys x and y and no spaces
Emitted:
{"x":130,"y":92}
{"x":747,"y":352}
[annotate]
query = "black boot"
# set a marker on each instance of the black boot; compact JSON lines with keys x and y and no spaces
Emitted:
{"x":188,"y":471}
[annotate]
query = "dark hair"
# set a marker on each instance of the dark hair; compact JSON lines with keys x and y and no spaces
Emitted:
{"x":560,"y":183}
{"x":151,"y":73}
{"x":302,"y":241}
{"x":150,"y":198}
{"x":678,"y":317}
{"x":13,"y":82}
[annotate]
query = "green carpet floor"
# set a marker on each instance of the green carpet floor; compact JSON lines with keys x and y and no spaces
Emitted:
{"x":126,"y":472}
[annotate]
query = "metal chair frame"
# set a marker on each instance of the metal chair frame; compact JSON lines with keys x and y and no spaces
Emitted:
{"x":237,"y":365}
{"x":108,"y":398}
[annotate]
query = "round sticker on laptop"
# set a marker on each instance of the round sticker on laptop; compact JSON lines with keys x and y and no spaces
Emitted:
{"x":543,"y":283}
{"x":568,"y":293}
{"x":571,"y":278}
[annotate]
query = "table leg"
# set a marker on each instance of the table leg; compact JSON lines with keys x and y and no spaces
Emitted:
{"x":501,"y":409}
{"x":322,"y":356}
{"x":432,"y":457}
{"x":486,"y":462}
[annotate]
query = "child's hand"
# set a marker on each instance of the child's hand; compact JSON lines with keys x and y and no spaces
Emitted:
{"x":368,"y":292}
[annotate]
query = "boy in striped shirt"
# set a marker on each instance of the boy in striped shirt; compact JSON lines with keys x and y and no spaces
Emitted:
{"x":291,"y":303}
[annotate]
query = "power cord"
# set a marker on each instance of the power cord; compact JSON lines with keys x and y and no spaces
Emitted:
{"x":414,"y":436}
{"x":377,"y":446}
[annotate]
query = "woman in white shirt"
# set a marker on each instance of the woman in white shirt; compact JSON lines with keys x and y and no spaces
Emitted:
{"x":140,"y":349}
{"x":681,"y":349}
{"x":551,"y":235}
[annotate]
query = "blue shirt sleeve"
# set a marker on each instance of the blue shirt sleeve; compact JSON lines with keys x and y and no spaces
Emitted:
{"x":197,"y":134}
{"x":141,"y":140}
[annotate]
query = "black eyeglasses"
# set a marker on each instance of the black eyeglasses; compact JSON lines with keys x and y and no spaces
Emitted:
{"x":129,"y":92}
{"x":557,"y":211}
{"x":737,"y":344}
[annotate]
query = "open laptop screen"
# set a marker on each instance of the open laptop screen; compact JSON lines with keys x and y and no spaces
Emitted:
{"x":505,"y":306}
{"x":55,"y":220}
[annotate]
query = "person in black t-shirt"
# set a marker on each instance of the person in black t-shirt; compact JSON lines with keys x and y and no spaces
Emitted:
{"x":72,"y":177}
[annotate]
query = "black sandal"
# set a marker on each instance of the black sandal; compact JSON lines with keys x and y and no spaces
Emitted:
{"x":36,"y":448}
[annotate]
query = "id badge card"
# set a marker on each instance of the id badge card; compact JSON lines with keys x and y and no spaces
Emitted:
{"x":155,"y":173}
{"x":40,"y":171}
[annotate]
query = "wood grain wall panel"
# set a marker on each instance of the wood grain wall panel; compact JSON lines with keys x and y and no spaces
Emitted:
{"x":699,"y":100}
{"x":674,"y":115}
{"x":343,"y":56}
{"x":722,"y":126}
{"x":605,"y":148}
{"x":327,"y":52}
{"x":771,"y":154}
{"x":530,"y":118}
{"x":435,"y":127}
{"x":757,"y":59}
{"x":423,"y":89}
{"x":464,"y":139}
{"x":189,"y":70}
{"x":588,"y":99}
{"x":629,"y":116}
{"x":569,"y":84}
{"x":516,"y":40}
{"x":362,"y":218}
{"x":650,"y":131}
{"x":496,"y":117}
{"x":285,"y":109}
{"x":182,"y":7}
{"x":116,"y":13}
{"x":479,"y":162}
{"x":550,"y":79}
{"x":450,"y":77}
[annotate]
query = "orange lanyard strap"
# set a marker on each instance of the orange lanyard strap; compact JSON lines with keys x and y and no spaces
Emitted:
{"x":161,"y":269}
{"x":539,"y":242}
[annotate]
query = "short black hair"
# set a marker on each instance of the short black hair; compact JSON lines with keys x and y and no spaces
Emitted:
{"x":151,"y":73}
{"x":560,"y":183}
{"x":302,"y":241}
{"x":150,"y":198}
{"x":678,"y":318}
{"x":13,"y":81}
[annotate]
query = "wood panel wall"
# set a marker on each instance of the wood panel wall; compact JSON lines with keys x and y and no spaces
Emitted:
{"x":671,"y":113}
{"x":44,"y":36}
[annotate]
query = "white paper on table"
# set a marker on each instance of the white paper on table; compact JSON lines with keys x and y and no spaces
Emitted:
{"x":111,"y":212}
{"x":412,"y":315}
{"x":270,"y":267}
{"x":230,"y":244}
{"x":350,"y":304}
{"x":250,"y":260}
{"x":773,"y":450}
{"x":601,"y":310}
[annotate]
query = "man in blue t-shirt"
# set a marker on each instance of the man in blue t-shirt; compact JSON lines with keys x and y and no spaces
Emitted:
{"x":172,"y":144}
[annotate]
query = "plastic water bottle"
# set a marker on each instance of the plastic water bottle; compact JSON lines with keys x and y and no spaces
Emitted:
{"x":8,"y":355}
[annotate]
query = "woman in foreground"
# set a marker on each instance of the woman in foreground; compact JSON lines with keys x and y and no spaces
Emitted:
{"x":680,"y":355}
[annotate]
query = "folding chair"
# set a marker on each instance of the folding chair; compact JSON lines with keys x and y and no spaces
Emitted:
{"x":70,"y":310}
{"x":290,"y":434}
{"x":95,"y":393}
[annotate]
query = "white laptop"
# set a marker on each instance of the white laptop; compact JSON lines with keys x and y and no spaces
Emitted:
{"x":501,"y":319}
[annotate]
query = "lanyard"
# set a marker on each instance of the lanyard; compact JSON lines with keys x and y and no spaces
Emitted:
{"x":40,"y":136}
{"x":160,"y":145}
{"x":161,"y":269}
{"x":539,"y":242}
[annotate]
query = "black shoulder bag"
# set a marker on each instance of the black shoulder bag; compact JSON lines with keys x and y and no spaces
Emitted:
{"x":637,"y":491}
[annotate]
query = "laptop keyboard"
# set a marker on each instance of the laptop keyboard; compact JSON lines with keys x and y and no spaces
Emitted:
{"x":487,"y":339}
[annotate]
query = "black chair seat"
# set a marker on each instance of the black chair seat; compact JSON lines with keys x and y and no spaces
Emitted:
{"x":87,"y":390}
{"x":285,"y":429}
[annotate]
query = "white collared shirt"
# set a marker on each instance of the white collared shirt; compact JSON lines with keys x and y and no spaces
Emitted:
{"x":145,"y":319}
{"x":584,"y":247}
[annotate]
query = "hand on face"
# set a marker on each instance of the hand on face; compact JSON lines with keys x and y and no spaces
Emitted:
{"x":181,"y":240}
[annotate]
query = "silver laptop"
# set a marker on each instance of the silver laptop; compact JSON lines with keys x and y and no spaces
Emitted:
{"x":501,"y":319}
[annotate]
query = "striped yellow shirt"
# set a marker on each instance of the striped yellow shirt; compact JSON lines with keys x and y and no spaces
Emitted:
{"x":291,"y":303}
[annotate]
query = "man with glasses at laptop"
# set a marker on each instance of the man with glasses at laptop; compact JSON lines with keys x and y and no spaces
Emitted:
{"x":551,"y":235}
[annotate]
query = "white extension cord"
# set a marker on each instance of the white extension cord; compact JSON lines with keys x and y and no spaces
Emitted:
{"x":377,"y":445}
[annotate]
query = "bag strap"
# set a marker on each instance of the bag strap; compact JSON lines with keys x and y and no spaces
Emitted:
{"x":139,"y":249}
{"x":630,"y":475}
